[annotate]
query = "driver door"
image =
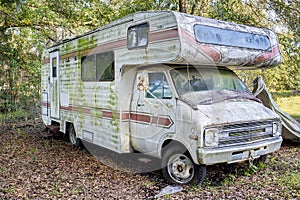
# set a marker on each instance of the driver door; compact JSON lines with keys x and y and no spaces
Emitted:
{"x":152,"y":111}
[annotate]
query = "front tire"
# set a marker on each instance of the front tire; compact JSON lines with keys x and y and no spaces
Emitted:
{"x":178,"y":167}
{"x":72,"y":136}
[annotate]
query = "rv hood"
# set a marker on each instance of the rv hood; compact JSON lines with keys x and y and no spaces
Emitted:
{"x":215,"y":96}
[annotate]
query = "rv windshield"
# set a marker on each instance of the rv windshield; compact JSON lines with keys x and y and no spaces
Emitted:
{"x":208,"y":85}
{"x":226,"y":37}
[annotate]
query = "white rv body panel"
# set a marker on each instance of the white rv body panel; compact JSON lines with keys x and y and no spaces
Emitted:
{"x":115,"y":114}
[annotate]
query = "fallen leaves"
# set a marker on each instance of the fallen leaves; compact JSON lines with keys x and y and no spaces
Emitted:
{"x":33,"y":167}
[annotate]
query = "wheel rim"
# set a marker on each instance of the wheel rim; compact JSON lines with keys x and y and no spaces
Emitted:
{"x":180,"y":168}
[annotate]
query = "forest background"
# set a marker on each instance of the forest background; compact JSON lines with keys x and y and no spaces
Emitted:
{"x":28,"y":26}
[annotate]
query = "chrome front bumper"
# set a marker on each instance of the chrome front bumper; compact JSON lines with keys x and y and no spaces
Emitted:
{"x":232,"y":154}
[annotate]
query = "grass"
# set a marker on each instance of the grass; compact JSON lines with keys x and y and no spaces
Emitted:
{"x":291,"y":180}
{"x":288,"y":102}
{"x":15,"y":116}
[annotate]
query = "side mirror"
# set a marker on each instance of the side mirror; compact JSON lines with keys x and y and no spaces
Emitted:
{"x":143,"y":82}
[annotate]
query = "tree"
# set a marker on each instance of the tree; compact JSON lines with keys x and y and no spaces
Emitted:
{"x":282,"y":17}
{"x":182,"y":6}
{"x":26,"y":26}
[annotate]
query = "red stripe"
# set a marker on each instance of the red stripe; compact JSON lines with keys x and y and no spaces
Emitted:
{"x":45,"y":104}
{"x":76,"y":109}
{"x":45,"y":61}
{"x":153,"y":37}
{"x":145,"y":118}
{"x":103,"y":48}
{"x":110,"y":115}
{"x":209,"y":51}
{"x":165,"y":122}
{"x":125,"y":116}
{"x":268,"y":55}
{"x":140,"y":118}
{"x":163,"y":35}
{"x":107,"y":114}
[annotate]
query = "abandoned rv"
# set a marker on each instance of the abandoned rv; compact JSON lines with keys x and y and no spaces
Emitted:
{"x":161,"y":83}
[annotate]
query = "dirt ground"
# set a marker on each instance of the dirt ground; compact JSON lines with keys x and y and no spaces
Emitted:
{"x":33,"y":167}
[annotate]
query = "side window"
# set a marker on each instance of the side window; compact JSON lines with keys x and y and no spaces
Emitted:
{"x":98,"y":67}
{"x":88,"y":68}
{"x":54,"y":67}
{"x":137,"y":36}
{"x":158,"y":87}
{"x":105,"y":66}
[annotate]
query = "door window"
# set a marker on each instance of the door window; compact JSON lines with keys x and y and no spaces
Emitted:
{"x":54,"y":67}
{"x":158,"y":87}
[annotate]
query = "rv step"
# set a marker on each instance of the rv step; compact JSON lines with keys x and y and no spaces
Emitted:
{"x":51,"y":130}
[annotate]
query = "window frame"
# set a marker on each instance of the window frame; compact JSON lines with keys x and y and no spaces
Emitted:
{"x":95,"y":67}
{"x":54,"y":67}
{"x":137,"y":34}
{"x":162,"y":84}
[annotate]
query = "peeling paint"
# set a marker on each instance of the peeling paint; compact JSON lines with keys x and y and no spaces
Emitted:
{"x":103,"y":108}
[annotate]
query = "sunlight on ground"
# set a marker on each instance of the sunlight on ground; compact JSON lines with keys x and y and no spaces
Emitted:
{"x":290,"y":105}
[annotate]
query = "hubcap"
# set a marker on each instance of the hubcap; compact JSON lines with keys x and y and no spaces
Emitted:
{"x":180,"y":168}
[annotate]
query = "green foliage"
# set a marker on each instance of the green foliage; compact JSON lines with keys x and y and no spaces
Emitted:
{"x":11,"y":117}
{"x":125,"y":7}
{"x":26,"y":27}
{"x":228,"y":180}
{"x":278,"y":15}
{"x":292,"y":180}
{"x":235,"y":11}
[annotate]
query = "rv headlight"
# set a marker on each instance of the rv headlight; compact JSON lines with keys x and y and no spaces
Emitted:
{"x":211,"y":137}
{"x":276,"y":129}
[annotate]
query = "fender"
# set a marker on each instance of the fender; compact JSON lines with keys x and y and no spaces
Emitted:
{"x":171,"y":138}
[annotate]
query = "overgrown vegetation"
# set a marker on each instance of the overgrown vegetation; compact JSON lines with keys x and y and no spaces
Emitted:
{"x":27,"y":27}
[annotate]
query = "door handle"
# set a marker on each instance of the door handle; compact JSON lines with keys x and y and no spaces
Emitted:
{"x":139,"y":105}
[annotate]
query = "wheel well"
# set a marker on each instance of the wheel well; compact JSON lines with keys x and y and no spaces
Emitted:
{"x":68,"y":124}
{"x":169,"y":143}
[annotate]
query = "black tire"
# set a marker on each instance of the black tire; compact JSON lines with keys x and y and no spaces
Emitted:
{"x":179,"y":168}
{"x":72,"y":136}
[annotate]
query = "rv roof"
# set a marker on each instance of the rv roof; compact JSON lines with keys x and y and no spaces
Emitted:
{"x":128,"y":18}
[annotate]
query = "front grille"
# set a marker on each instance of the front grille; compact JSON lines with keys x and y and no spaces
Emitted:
{"x":245,"y":133}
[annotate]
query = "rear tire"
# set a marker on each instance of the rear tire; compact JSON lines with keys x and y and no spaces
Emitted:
{"x":72,"y":136}
{"x":179,"y":168}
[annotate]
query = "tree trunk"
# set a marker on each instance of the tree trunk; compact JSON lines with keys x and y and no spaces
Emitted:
{"x":182,"y":6}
